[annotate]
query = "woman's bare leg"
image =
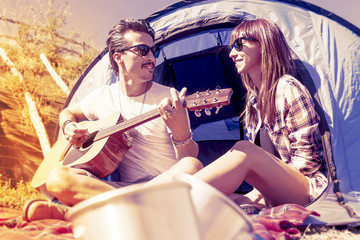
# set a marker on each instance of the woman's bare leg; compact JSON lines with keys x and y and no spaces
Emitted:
{"x":189,"y":165}
{"x":278,"y":182}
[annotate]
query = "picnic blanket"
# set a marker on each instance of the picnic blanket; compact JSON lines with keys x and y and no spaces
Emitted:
{"x":13,"y":227}
{"x":278,"y":223}
{"x":281,"y":222}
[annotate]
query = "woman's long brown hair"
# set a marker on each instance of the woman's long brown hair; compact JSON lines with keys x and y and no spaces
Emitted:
{"x":276,"y":61}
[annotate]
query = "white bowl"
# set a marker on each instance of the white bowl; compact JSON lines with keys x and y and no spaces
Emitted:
{"x":218,"y":216}
{"x":139,"y":212}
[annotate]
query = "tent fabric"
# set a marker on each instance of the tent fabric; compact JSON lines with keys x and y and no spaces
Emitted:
{"x":192,"y":36}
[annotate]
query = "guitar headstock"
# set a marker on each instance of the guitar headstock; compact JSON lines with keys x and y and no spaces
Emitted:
{"x":207,"y":100}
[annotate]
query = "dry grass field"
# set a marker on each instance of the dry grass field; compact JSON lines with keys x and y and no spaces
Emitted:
{"x":23,"y":76}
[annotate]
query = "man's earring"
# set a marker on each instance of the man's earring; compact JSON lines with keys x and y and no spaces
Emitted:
{"x":117,"y":58}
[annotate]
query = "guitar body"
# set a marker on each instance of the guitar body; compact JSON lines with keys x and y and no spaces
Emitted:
{"x":99,"y":157}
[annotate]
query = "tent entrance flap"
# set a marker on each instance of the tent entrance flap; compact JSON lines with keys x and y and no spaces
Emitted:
{"x":200,"y":72}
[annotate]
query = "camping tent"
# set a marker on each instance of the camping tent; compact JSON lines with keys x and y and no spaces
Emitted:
{"x":192,"y":34}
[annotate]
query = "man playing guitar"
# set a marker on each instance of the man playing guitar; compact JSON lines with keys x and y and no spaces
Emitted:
{"x":155,"y":145}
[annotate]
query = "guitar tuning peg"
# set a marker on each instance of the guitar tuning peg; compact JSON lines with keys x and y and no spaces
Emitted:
{"x":198,"y":113}
{"x":217,"y":89}
{"x":217,"y":110}
{"x":207,"y":111}
{"x":197,"y":93}
{"x":208,"y":92}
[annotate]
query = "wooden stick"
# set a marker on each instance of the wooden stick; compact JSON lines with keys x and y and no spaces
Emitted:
{"x":54,"y":75}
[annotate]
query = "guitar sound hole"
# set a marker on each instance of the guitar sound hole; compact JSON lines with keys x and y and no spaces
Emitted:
{"x":89,"y":141}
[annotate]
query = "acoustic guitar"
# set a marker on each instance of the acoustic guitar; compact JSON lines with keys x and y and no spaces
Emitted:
{"x":109,"y":138}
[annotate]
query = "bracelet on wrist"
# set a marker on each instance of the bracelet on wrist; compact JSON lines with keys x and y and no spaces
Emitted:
{"x":181,"y":143}
{"x":64,"y":125}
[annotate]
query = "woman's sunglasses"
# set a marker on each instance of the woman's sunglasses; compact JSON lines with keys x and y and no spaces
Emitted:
{"x":145,"y":49}
{"x":238,"y":44}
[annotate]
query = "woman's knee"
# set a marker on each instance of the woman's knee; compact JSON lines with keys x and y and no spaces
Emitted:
{"x":190,"y":165}
{"x":246,"y":149}
{"x":244,"y":146}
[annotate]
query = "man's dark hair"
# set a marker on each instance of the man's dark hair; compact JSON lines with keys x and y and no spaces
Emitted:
{"x":116,"y":42}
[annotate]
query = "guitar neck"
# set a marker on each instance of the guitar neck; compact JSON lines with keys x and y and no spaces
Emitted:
{"x":195,"y":102}
{"x":127,"y":124}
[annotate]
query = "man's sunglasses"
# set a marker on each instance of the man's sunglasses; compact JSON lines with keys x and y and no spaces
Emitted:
{"x":238,"y":44}
{"x":145,"y":49}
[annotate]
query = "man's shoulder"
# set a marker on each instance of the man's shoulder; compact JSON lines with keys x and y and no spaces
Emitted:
{"x":106,"y":88}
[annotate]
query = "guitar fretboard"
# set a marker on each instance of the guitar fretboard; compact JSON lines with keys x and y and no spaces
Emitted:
{"x":127,"y":124}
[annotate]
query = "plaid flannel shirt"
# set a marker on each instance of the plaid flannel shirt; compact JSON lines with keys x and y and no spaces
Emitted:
{"x":295,"y":132}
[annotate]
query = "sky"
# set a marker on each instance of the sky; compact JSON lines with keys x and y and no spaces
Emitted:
{"x":94,"y":18}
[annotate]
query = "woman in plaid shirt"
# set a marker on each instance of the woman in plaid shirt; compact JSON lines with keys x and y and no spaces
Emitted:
{"x":279,"y":103}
